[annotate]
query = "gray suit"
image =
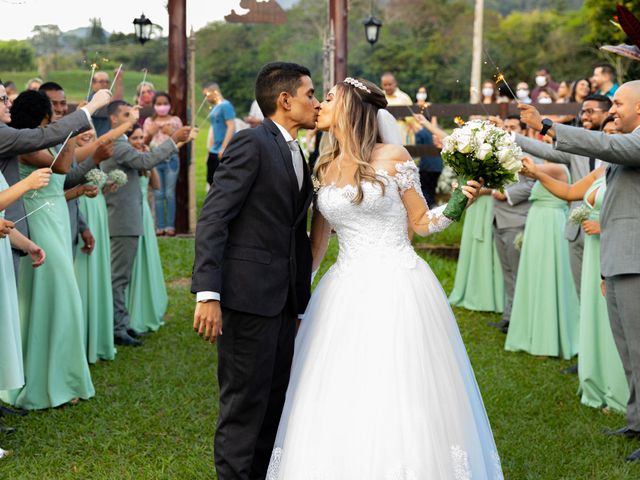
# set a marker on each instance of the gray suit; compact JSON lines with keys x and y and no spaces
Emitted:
{"x":619,"y":242}
{"x":125,"y":218}
{"x":579,"y":168}
{"x":509,"y":217}
{"x":75,"y":177}
{"x":14,"y":142}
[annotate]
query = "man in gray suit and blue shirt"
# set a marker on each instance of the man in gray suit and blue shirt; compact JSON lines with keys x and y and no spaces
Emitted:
{"x":125,"y":210}
{"x":620,"y":226}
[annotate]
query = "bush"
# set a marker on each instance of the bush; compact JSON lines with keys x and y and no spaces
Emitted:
{"x":16,"y":55}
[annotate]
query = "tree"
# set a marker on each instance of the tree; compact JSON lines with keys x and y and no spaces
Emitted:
{"x":16,"y":55}
{"x":46,"y":39}
{"x":96,"y":34}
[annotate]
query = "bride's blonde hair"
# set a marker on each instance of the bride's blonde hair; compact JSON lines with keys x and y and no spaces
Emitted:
{"x":355,"y":115}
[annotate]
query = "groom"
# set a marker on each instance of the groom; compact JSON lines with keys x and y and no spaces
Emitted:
{"x":252,"y":268}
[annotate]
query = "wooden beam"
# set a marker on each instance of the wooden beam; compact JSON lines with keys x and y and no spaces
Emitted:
{"x":338,"y":16}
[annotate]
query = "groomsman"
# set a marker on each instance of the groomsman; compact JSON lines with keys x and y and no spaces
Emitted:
{"x":620,"y":226}
{"x":125,"y":210}
{"x":594,"y":111}
{"x":510,"y":210}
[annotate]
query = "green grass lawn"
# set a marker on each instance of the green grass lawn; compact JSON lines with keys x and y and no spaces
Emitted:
{"x":154,"y":413}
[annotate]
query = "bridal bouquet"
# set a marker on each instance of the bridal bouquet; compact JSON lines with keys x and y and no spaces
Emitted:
{"x":479,"y":149}
{"x":579,"y":215}
{"x":96,"y":177}
{"x":118,"y":177}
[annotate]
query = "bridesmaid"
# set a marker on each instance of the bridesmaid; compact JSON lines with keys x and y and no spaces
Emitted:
{"x":147,"y":296}
{"x":602,"y":378}
{"x":93,"y":272}
{"x":545,"y":315}
{"x":11,"y":366}
{"x":56,"y":368}
{"x":479,"y":284}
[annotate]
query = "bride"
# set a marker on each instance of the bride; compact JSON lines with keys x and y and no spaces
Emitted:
{"x":381,"y":387}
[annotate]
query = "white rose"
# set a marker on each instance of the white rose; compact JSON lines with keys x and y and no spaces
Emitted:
{"x":465,"y":142}
{"x":484,"y":151}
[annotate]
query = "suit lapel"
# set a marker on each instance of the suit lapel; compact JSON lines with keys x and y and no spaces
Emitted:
{"x":285,"y":153}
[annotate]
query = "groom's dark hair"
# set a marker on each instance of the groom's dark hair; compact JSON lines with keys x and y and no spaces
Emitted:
{"x":275,"y":78}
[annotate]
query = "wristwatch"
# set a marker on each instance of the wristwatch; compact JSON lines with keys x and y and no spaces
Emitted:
{"x":546,"y":126}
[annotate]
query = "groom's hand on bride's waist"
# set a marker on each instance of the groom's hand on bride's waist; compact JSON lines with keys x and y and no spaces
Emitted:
{"x":207,"y":320}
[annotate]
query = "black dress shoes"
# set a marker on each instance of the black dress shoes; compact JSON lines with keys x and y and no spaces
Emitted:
{"x":499,"y":325}
{"x":505,"y":329}
{"x":634,"y":457}
{"x":6,"y":429}
{"x":133,"y":334}
{"x":570,"y":371}
{"x":623,"y":432}
{"x":127,"y":341}
{"x":12,"y":411}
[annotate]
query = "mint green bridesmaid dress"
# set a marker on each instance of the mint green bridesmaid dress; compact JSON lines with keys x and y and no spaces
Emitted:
{"x":11,"y":368}
{"x":479,"y":284}
{"x":55,"y":359}
{"x":545,"y":315}
{"x":147,"y":295}
{"x":94,"y":280}
{"x":602,"y":379}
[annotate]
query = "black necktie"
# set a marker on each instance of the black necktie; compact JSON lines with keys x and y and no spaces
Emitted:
{"x":592,"y":164}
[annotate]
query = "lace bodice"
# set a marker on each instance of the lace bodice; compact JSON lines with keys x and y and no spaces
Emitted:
{"x":378,"y":226}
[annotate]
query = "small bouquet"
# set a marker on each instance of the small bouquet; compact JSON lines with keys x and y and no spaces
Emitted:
{"x":579,"y":215}
{"x":517,"y":242}
{"x":96,"y":177}
{"x":479,"y":149}
{"x":118,"y":177}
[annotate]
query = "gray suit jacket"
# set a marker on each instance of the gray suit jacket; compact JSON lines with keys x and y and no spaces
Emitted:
{"x":620,"y":214}
{"x":125,"y":205}
{"x":514,"y":214}
{"x":578,"y":167}
{"x":15,"y":142}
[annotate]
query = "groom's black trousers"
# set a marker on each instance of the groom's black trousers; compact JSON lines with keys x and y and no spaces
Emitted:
{"x":254,"y":364}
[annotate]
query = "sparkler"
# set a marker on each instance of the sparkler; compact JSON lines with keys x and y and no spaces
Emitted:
{"x":61,"y":149}
{"x":93,"y":71}
{"x":500,"y":78}
{"x":204,"y":100}
{"x":115,"y":78}
{"x":45,"y":204}
{"x":458,"y":121}
{"x":144,"y":78}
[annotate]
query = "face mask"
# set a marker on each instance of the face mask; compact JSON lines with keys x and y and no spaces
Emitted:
{"x":162,"y":110}
{"x":541,"y":80}
{"x":421,"y":97}
{"x":487,"y":92}
{"x":545,"y":100}
{"x":522,"y":94}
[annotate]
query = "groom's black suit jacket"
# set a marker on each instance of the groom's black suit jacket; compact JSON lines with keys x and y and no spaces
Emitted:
{"x":251,"y":239}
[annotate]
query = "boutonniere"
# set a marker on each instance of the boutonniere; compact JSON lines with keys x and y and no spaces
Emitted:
{"x":316,"y":183}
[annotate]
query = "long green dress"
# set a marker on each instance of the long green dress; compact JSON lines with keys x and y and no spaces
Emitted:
{"x":147,"y":295}
{"x":94,"y":280}
{"x":479,"y":284}
{"x":11,"y":368}
{"x":546,"y":312}
{"x":55,"y":359}
{"x":602,"y":379}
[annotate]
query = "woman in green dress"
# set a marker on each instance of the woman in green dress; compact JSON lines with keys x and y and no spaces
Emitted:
{"x":545,"y":315}
{"x":147,"y":296}
{"x":602,"y":378}
{"x":93,"y":272}
{"x":55,"y":361}
{"x":479,"y":284}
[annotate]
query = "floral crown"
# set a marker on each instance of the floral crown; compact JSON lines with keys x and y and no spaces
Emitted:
{"x":356,"y":83}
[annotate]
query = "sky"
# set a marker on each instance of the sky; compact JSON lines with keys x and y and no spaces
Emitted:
{"x":20,"y":16}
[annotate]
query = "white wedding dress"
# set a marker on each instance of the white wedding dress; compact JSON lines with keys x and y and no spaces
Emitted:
{"x":381,"y":386}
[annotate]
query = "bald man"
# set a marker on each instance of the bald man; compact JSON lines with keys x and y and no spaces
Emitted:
{"x":620,"y":226}
{"x":394,"y":95}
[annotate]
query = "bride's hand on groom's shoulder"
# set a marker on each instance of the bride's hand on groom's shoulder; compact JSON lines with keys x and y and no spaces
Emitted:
{"x":207,"y":320}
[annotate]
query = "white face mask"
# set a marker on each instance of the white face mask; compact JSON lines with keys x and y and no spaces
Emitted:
{"x":421,"y":96}
{"x":541,"y":80}
{"x":487,"y":92}
{"x":522,"y":94}
{"x":545,"y":100}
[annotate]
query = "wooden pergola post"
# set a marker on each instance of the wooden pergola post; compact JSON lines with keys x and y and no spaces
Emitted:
{"x":178,"y":89}
{"x":338,"y":21}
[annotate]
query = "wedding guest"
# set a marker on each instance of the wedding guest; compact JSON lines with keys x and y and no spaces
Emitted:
{"x":523,"y":92}
{"x":430,"y":166}
{"x":255,"y":116}
{"x":545,"y":312}
{"x":602,"y":378}
{"x":158,"y":128}
{"x":56,"y":368}
{"x":546,"y":96}
{"x":489,"y":94}
{"x":564,"y":92}
{"x":543,"y":80}
{"x":12,"y":91}
{"x":33,"y":83}
{"x":222,"y":127}
{"x":619,"y":220}
{"x":100,"y":81}
{"x":147,"y":295}
{"x":593,"y":112}
{"x":125,"y":210}
{"x":144,"y":98}
{"x":604,"y":80}
{"x":581,"y":89}
{"x":392,"y":92}
{"x":11,"y":363}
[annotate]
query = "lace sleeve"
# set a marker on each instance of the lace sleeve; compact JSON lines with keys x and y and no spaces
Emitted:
{"x":422,"y":220}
